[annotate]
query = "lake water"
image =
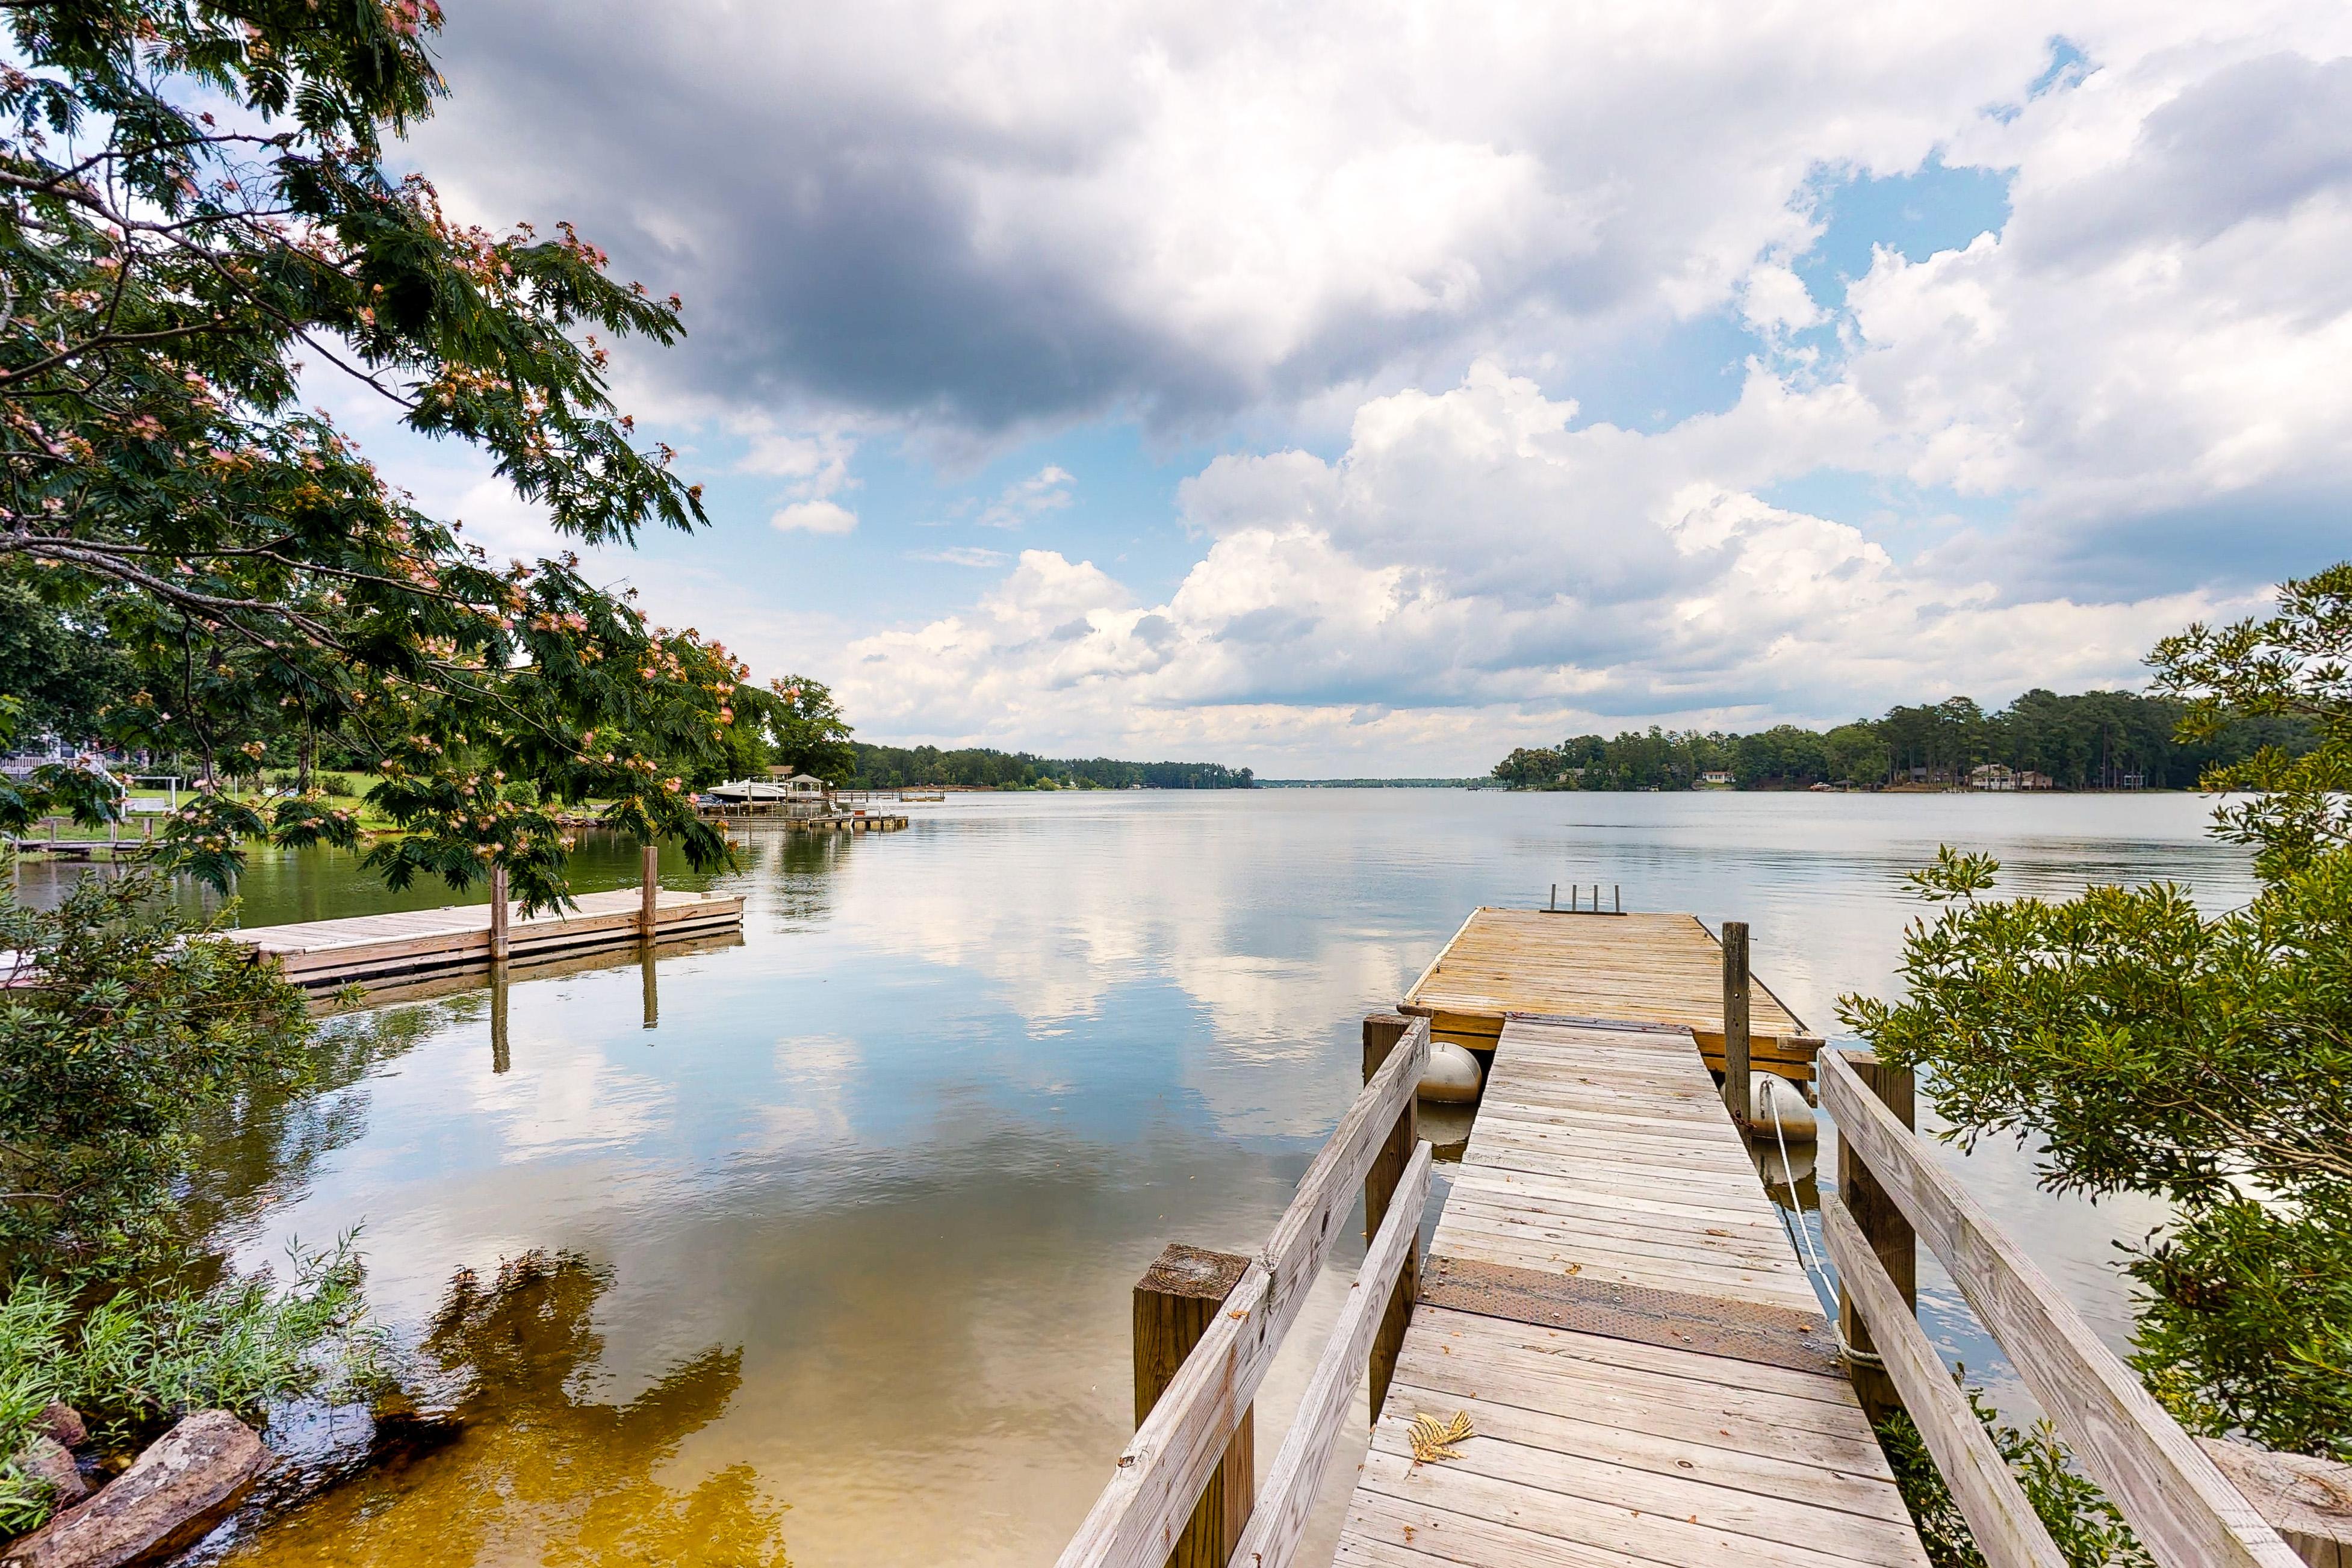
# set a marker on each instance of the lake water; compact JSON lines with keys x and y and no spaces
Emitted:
{"x":821,"y":1244}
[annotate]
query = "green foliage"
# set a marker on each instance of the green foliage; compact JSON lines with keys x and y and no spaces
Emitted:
{"x":2087,"y":1527}
{"x":121,"y":1027}
{"x":193,"y":203}
{"x":807,"y":732}
{"x":59,"y":664}
{"x":890,"y":767}
{"x":1532,"y":767}
{"x":2143,"y":1046}
{"x":1854,"y":753}
{"x":2094,"y":740}
{"x":147,"y":1355}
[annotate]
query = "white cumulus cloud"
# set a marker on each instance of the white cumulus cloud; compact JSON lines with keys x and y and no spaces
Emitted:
{"x":814,"y":517}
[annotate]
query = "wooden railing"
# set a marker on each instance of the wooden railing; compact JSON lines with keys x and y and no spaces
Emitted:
{"x":2182,"y":1508}
{"x":1141,"y":1515}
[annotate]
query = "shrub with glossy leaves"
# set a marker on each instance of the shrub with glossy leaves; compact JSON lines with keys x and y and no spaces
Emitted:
{"x":121,"y":1027}
{"x":2145,"y":1046}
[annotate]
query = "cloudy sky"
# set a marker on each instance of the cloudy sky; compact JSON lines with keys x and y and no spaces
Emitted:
{"x":1371,"y":388}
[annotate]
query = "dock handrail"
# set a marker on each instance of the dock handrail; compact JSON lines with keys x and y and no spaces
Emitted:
{"x":2185,"y":1511}
{"x":1137,"y":1517}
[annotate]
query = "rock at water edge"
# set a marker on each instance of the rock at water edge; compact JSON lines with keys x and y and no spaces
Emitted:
{"x":180,"y":1488}
{"x":44,"y":1459}
{"x":63,"y":1425}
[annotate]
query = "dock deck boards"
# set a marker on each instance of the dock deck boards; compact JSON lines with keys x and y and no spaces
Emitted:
{"x":325,"y":954}
{"x":1646,"y":968}
{"x":1668,"y":1398}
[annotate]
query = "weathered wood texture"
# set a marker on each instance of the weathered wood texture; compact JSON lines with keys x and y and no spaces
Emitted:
{"x":1604,"y":1156}
{"x":501,"y":923}
{"x":2308,"y":1501}
{"x":649,"y":891}
{"x":1883,"y":1226}
{"x":2007,"y":1531}
{"x":377,"y":949}
{"x":1644,"y":969}
{"x":1137,"y":1519}
{"x":1175,"y":1302}
{"x":2183,"y":1510}
{"x":1275,"y":1530}
{"x":1381,"y":1032}
{"x":1736,"y":1092}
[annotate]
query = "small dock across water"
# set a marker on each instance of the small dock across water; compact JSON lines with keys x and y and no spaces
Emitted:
{"x":382,"y":949}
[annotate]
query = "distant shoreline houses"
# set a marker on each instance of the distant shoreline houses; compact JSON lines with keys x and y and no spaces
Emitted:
{"x":1999,"y":776}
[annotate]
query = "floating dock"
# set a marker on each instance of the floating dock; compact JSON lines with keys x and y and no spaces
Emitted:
{"x":1612,"y":1302}
{"x":1631,"y":969}
{"x":377,"y":949}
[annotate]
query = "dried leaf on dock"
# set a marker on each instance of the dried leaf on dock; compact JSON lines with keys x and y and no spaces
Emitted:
{"x":1432,"y":1442}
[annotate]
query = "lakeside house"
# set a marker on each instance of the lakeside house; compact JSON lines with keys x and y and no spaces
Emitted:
{"x":1999,"y":776}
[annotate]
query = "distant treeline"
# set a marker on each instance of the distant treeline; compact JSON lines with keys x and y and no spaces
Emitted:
{"x":898,"y":766}
{"x":1373,"y":783}
{"x":2096,"y":740}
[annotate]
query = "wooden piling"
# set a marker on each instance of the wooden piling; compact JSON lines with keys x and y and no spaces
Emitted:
{"x":1381,"y":1032}
{"x":650,"y":987}
{"x":649,"y":890}
{"x":1736,"y":1092}
{"x":501,"y":945}
{"x":1175,"y":1302}
{"x":1882,"y":1227}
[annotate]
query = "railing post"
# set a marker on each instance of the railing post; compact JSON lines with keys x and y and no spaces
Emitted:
{"x":1736,"y":1095}
{"x":1175,"y":1302}
{"x":2307,"y":1500}
{"x":1381,"y":1032}
{"x":649,"y":887}
{"x":500,"y":944}
{"x":1883,"y":1226}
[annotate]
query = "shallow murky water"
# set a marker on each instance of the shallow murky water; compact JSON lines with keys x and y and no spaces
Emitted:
{"x":820,"y":1244}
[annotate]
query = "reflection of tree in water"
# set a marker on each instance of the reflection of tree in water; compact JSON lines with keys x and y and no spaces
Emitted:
{"x":801,"y":866}
{"x":536,"y":1472}
{"x":262,"y":1148}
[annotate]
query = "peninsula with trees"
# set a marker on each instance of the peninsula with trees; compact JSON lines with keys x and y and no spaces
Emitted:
{"x":2094,"y":740}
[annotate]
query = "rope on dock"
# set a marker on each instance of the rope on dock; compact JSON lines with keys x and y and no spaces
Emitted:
{"x":1801,"y":1236}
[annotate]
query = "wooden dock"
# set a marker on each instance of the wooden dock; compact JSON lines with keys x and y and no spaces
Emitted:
{"x":1612,"y":1302}
{"x":380,"y":949}
{"x":1619,"y":1358}
{"x":1633,"y":968}
{"x":803,"y":816}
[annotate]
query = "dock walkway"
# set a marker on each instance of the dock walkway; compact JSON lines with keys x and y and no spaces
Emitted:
{"x":1620,"y":1359}
{"x":368,"y":949}
{"x":1610,"y":1299}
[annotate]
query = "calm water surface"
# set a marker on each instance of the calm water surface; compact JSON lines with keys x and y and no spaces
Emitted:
{"x":821,"y":1244}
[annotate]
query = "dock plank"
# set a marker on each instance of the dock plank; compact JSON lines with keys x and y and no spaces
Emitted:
{"x":1602,"y":1157}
